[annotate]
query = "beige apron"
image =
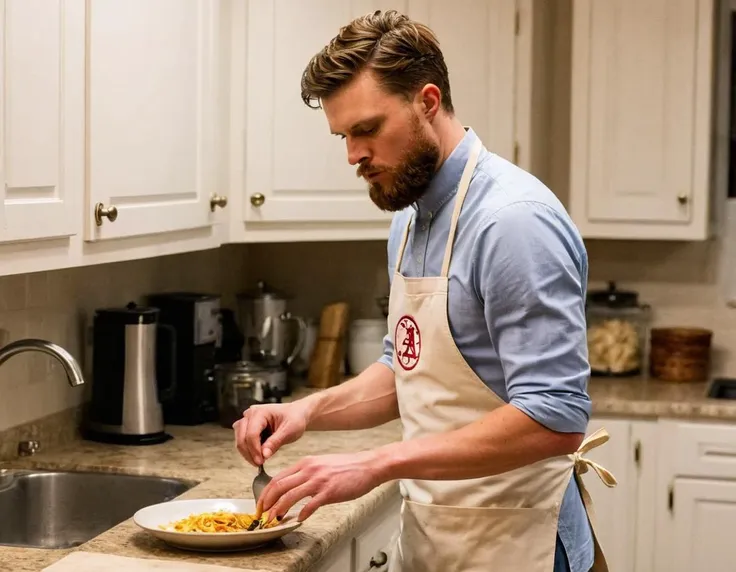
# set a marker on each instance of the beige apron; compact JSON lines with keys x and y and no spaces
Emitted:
{"x":502,"y":523}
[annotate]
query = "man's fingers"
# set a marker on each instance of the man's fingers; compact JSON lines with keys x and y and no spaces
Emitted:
{"x":241,"y":428}
{"x":315,"y":503}
{"x":273,"y":443}
{"x":277,"y":488}
{"x":288,"y":500}
{"x":256,"y":424}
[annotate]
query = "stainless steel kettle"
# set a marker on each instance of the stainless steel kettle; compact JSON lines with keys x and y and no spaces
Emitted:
{"x":125,"y":406}
{"x":268,"y":326}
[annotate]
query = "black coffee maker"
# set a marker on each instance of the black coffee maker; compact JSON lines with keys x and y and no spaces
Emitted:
{"x":196,"y":319}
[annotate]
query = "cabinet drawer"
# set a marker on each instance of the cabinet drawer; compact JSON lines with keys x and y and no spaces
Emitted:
{"x":376,"y":538}
{"x":701,"y":449}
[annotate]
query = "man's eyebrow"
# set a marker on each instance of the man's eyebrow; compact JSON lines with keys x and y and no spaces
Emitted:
{"x":369,"y":121}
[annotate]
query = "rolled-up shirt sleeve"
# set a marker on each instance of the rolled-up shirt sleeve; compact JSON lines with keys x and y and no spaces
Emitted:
{"x":531,"y":273}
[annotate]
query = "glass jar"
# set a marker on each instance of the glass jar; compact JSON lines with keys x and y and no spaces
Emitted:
{"x":617,"y":332}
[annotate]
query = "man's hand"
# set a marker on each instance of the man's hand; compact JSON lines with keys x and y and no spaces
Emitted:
{"x":287,"y":421}
{"x":327,"y":479}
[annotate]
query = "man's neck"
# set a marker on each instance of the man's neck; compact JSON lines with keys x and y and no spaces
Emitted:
{"x":450,"y":132}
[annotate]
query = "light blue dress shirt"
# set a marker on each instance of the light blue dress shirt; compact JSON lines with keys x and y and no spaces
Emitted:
{"x":516,"y":301}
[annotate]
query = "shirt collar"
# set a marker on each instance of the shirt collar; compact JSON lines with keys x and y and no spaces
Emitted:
{"x":445,"y":182}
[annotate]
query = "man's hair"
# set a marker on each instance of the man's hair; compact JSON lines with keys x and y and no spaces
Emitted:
{"x":404,"y":56}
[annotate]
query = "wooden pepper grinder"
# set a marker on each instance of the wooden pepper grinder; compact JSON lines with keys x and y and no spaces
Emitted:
{"x":324,"y":367}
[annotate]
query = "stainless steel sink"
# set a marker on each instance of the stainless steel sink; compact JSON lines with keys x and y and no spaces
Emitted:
{"x":61,"y":509}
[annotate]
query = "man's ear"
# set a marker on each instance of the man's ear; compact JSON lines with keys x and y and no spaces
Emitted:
{"x":430,"y":101}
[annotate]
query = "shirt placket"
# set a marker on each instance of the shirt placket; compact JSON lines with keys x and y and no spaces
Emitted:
{"x":422,"y":242}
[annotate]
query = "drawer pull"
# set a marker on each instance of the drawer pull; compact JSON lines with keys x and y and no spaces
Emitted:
{"x":380,"y":559}
{"x":712,"y":450}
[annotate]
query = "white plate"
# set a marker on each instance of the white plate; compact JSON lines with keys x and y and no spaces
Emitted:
{"x":151,"y":518}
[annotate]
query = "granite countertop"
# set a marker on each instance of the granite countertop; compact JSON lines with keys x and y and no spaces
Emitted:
{"x":639,"y":397}
{"x":207,"y":454}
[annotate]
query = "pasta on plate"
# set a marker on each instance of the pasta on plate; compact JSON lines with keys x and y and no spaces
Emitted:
{"x":221,"y":521}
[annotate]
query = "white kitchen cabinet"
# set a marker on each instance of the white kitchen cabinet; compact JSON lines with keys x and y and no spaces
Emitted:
{"x":290,"y":177}
{"x":696,"y":497}
{"x":368,"y":550}
{"x":338,"y":559}
{"x":41,"y":119}
{"x":704,"y":512}
{"x":622,"y":512}
{"x":642,"y":83}
{"x":152,"y":117}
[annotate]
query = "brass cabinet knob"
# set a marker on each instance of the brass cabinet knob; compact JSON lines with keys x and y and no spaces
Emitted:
{"x":682,"y":198}
{"x":257,"y":199}
{"x":110,"y":213}
{"x":217,"y":201}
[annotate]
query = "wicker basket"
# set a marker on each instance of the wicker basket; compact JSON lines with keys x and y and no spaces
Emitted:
{"x":680,"y":354}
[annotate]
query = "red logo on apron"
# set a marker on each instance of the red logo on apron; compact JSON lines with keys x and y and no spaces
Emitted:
{"x":407,"y":342}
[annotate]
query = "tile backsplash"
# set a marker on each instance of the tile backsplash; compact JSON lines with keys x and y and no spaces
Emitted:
{"x":679,"y":281}
{"x":58,"y":306}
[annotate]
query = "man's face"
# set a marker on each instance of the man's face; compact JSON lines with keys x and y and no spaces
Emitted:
{"x":387,"y":138}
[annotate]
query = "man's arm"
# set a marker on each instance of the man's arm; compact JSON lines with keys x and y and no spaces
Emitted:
{"x":530,"y":277}
{"x":366,"y":401}
{"x":501,"y":441}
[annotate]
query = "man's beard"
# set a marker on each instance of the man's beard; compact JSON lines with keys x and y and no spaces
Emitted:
{"x":409,"y":179}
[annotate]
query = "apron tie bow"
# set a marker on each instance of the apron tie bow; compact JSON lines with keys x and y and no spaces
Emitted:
{"x":582,"y":464}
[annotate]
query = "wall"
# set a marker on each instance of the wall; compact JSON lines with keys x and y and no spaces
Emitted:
{"x":678,"y":280}
{"x":57,"y":305}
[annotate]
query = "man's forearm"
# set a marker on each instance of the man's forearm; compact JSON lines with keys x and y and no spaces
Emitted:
{"x":501,"y":441}
{"x":366,"y":401}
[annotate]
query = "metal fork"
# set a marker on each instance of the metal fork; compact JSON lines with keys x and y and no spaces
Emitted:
{"x":262,"y":478}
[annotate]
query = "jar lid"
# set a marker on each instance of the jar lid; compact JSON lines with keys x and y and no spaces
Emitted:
{"x":263,"y":290}
{"x":239,"y":367}
{"x":614,"y":298}
{"x":256,"y":365}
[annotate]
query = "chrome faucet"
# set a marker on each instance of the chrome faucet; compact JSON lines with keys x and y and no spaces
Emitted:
{"x":70,"y":365}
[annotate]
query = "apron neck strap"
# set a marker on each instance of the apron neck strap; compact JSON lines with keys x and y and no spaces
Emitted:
{"x":462,"y":190}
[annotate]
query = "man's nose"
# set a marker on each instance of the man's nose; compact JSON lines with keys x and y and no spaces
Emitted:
{"x":356,"y":153}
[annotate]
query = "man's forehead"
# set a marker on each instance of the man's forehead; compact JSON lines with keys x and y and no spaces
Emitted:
{"x":360,"y":100}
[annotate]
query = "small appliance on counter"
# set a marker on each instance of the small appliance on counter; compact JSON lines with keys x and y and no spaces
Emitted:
{"x":127,"y":393}
{"x":270,"y":330}
{"x":245,"y":383}
{"x":231,"y":339}
{"x":195,"y":317}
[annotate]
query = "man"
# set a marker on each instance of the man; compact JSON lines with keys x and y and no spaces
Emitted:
{"x":486,"y":358}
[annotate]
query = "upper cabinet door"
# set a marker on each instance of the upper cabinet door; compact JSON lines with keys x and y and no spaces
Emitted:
{"x":641,"y":113}
{"x":295,"y":170}
{"x":152,"y":111}
{"x":41,"y":118}
{"x":478,"y":40}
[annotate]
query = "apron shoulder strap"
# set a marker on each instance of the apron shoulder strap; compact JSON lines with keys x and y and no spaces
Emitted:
{"x":462,"y":191}
{"x":402,"y":245}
